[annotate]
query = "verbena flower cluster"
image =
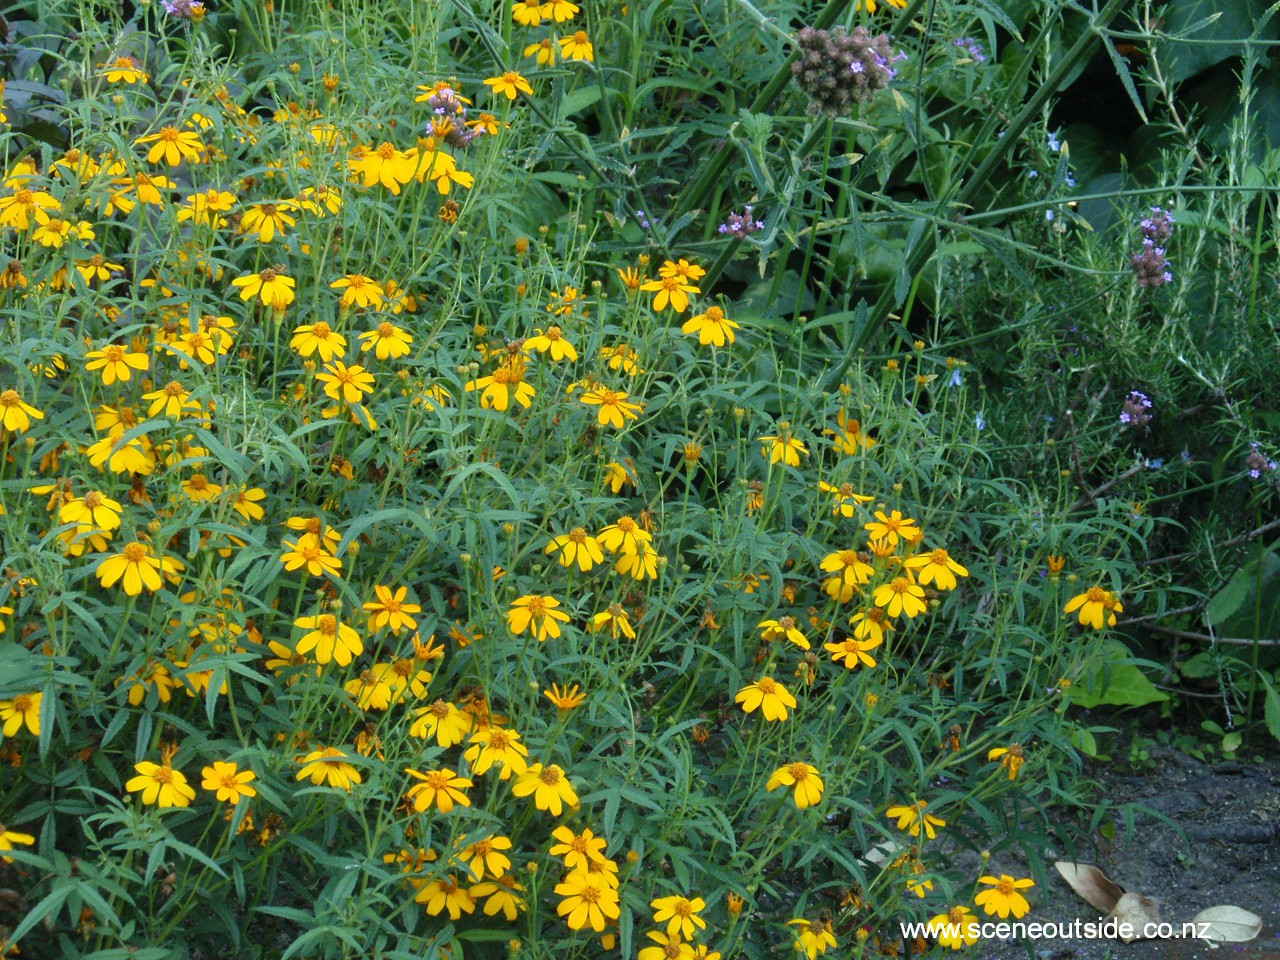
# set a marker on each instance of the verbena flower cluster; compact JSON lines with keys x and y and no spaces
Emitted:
{"x":1136,"y":410}
{"x":838,"y":69}
{"x":741,"y":224}
{"x":1150,"y":267}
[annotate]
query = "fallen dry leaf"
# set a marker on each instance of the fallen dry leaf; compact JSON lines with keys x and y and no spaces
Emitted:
{"x":1094,"y":886}
{"x":1137,"y":911}
{"x":1228,"y":924}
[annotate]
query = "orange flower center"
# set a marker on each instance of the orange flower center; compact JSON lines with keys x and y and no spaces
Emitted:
{"x":499,"y":741}
{"x":24,"y":198}
{"x":787,"y":623}
{"x":939,"y":557}
{"x":320,"y":330}
{"x":21,"y":704}
{"x":798,"y":771}
{"x":267,"y":275}
{"x":170,"y":135}
{"x":626,"y":525}
{"x":437,"y":780}
{"x":1096,"y":595}
{"x":550,"y":776}
{"x":848,"y":557}
{"x":537,"y":607}
{"x":199,"y":482}
{"x":439,"y":710}
{"x":10,"y":398}
{"x":327,"y":624}
{"x":715,"y":314}
{"x":174,"y":389}
{"x":901,"y":585}
{"x":767,"y":686}
{"x":386,"y":330}
{"x":114,"y":353}
{"x":163,"y":775}
{"x":135,"y":552}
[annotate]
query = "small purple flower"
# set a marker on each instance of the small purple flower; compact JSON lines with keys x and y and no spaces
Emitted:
{"x":1258,"y":463}
{"x":1134,"y":413}
{"x":1150,"y":268}
{"x":1158,"y":227}
{"x":972,"y":47}
{"x":184,"y":9}
{"x":743,"y":225}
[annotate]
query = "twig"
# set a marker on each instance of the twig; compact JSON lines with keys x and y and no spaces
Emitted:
{"x":1090,"y":496}
{"x":1206,"y":638}
{"x":1226,"y":544}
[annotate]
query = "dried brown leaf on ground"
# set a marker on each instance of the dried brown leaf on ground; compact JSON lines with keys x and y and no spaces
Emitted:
{"x":1136,"y":912}
{"x":1094,"y":886}
{"x":1228,"y":924}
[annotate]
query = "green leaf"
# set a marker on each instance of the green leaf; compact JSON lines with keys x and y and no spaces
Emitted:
{"x":1116,"y":680}
{"x":1271,"y":707}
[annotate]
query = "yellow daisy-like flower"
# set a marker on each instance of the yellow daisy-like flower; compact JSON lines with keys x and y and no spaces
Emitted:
{"x":309,"y":552}
{"x":135,"y":566}
{"x":329,"y":765}
{"x":387,"y":341}
{"x":803,"y":778}
{"x":486,"y":857}
{"x":783,"y":628}
{"x":615,"y":409}
{"x":580,"y":851}
{"x":318,"y":337}
{"x":851,"y":571}
{"x":173,"y":146}
{"x":560,"y":10}
{"x":852,"y":652}
{"x":15,"y":413}
{"x":955,"y":929}
{"x":669,"y":947}
{"x":912,"y":819}
{"x":346,"y":383}
{"x":528,"y":13}
{"x":670,"y":291}
{"x":768,"y":696}
{"x":713,"y":327}
{"x":390,"y":610}
{"x":576,"y":546}
{"x":1097,"y":607}
{"x":358,"y":290}
{"x":8,"y":838}
{"x":570,"y":698}
{"x":228,"y":781}
{"x":549,"y":786}
{"x":551,"y":343}
{"x":783,"y":448}
{"x":588,"y":900}
{"x":95,"y":509}
{"x":1005,"y":897}
{"x":268,"y":219}
{"x":846,"y":498}
{"x":444,"y":893}
{"x":122,"y":70}
{"x":578,"y":47}
{"x":624,"y":536}
{"x":616,"y":619}
{"x":1010,"y":758}
{"x":442,"y":721}
{"x":161,"y":785}
{"x":503,"y":385}
{"x":22,"y":710}
{"x":440,"y":788}
{"x":936,"y":567}
{"x":330,"y":638}
{"x":544,"y":50}
{"x":901,"y":596}
{"x":537,"y":614}
{"x":892,"y":528}
{"x":498,"y":745}
{"x":116,"y":363}
{"x":870,"y":5}
{"x":511,"y":84}
{"x":269,"y":285}
{"x":680,"y":914}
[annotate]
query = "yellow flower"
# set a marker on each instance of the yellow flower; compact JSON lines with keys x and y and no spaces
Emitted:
{"x":712,"y":327}
{"x":936,"y":567}
{"x":10,"y":837}
{"x":443,"y":893}
{"x":497,"y":388}
{"x":95,"y":510}
{"x":850,"y":570}
{"x":902,"y":595}
{"x":615,"y":409}
{"x":122,"y":70}
{"x":552,"y":342}
{"x":268,"y":219}
{"x":803,"y":778}
{"x":528,"y":13}
{"x":955,"y":929}
{"x":328,"y":765}
{"x":387,"y":341}
{"x":172,"y":400}
{"x":567,"y":699}
{"x":384,"y":164}
{"x":486,"y":856}
{"x":116,"y":363}
{"x":784,"y":628}
{"x":318,"y":337}
{"x":173,"y":146}
{"x":577,"y":47}
{"x":588,"y":900}
{"x":15,"y":413}
{"x":309,"y":552}
{"x":359,"y":290}
{"x":576,"y":546}
{"x":617,"y":476}
{"x":615,"y":618}
{"x":669,"y":947}
{"x":580,"y":851}
{"x":443,"y":788}
{"x":390,"y":610}
{"x":544,"y":49}
{"x":783,"y":448}
{"x":767,"y":695}
{"x":492,"y":745}
{"x":560,"y":10}
{"x":537,"y":614}
{"x":135,"y":565}
{"x":24,"y":709}
{"x":550,"y":788}
{"x":680,"y":914}
{"x":346,"y":383}
{"x":640,"y":565}
{"x":871,"y":8}
{"x":272,"y":287}
{"x":849,"y":439}
{"x":673,"y":291}
{"x":892,"y":528}
{"x":853,"y":652}
{"x":624,"y":536}
{"x":503,"y":893}
{"x":228,"y":781}
{"x":912,"y":818}
{"x":443,"y":721}
{"x":1010,"y":758}
{"x":510,"y":83}
{"x":846,"y":498}
{"x":1004,"y":899}
{"x":161,"y":785}
{"x":814,"y":937}
{"x":1096,"y":606}
{"x":330,"y":638}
